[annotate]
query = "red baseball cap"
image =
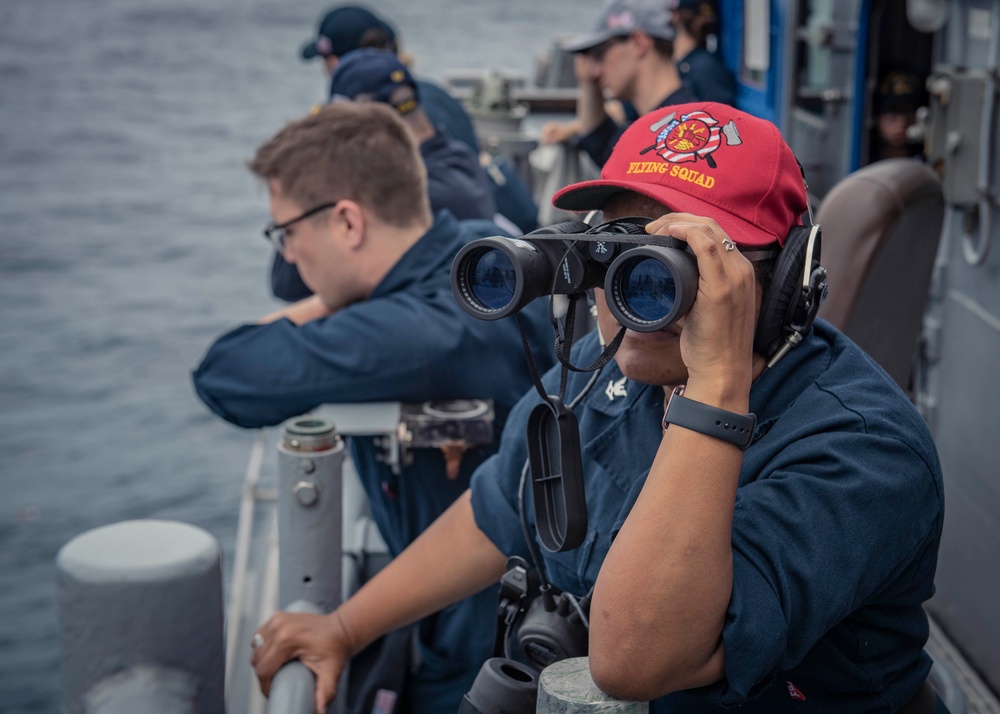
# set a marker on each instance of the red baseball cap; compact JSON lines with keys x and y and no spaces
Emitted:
{"x":708,"y":159}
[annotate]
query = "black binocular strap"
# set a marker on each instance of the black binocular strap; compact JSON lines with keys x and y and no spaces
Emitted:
{"x":563,"y":346}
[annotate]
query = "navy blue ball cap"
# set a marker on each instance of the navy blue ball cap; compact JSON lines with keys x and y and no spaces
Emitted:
{"x":901,"y":92}
{"x":342,"y":29}
{"x":620,"y":18}
{"x":372,"y":72}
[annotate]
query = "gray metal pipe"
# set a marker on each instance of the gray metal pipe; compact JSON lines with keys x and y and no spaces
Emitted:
{"x":310,"y":461}
{"x":140,"y":615}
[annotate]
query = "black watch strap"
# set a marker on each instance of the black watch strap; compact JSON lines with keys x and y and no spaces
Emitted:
{"x":712,"y":421}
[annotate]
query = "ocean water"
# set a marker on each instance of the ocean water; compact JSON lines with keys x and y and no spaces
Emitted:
{"x":130,"y":238}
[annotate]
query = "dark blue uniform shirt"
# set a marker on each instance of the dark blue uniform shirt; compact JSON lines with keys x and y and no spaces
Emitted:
{"x":707,"y":76}
{"x":599,"y":142}
{"x":836,"y":527}
{"x":455,"y":181}
{"x":510,"y":193}
{"x":409,"y":342}
{"x":445,"y":111}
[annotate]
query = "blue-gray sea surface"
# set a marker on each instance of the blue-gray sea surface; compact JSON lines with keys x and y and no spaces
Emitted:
{"x":130,"y":238}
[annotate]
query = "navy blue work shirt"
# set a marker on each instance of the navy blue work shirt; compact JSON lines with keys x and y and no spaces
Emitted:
{"x":409,"y":342}
{"x":836,"y":527}
{"x":510,"y":193}
{"x":708,"y":77}
{"x":599,"y":143}
{"x":455,"y":181}
{"x":445,"y":111}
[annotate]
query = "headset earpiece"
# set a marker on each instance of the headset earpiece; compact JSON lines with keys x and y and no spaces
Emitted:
{"x":798,"y":287}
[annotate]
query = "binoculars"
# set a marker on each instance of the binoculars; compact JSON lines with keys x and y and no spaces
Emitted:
{"x":649,"y":281}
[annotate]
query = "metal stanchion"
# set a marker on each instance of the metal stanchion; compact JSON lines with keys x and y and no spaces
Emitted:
{"x":310,"y":462}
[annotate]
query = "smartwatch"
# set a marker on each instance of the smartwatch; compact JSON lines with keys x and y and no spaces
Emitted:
{"x":729,"y":426}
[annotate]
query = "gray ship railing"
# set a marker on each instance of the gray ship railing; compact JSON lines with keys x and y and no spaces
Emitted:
{"x":327,"y":532}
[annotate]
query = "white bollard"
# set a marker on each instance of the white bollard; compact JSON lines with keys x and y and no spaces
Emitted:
{"x":566,"y":687}
{"x":140,"y":615}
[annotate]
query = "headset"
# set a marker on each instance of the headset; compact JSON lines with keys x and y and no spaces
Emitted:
{"x":798,"y":287}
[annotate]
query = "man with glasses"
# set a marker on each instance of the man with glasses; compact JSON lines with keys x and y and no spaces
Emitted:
{"x":629,"y":57}
{"x":348,"y":197}
{"x":455,"y":180}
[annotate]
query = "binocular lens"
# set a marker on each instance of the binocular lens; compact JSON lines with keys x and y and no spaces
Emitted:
{"x":647,"y":289}
{"x":495,"y":277}
{"x":492,"y":279}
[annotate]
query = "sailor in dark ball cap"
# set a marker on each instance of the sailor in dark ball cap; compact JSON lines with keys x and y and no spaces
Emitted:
{"x":900,"y":94}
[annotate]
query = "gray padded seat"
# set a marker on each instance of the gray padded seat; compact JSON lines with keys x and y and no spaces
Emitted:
{"x":881,"y":227}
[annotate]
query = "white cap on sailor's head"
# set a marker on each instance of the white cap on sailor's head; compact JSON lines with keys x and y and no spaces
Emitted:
{"x":621,"y":18}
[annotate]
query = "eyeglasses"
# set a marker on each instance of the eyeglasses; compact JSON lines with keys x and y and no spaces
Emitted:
{"x":597,"y":53}
{"x":276,"y":233}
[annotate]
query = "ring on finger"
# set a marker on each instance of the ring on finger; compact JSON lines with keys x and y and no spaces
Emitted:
{"x":728,"y":244}
{"x":257,"y":642}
